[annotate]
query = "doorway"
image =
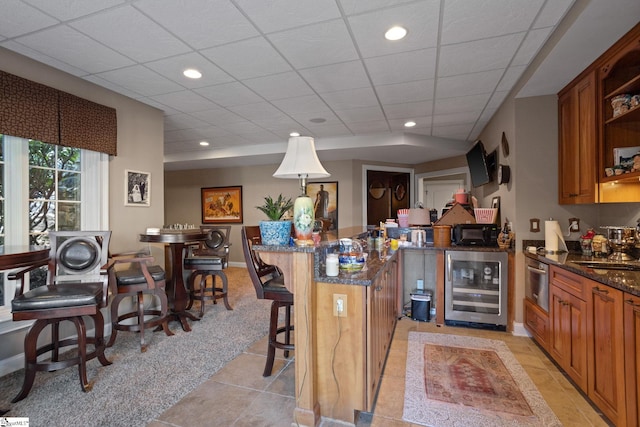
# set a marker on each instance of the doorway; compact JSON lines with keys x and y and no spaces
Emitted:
{"x":436,"y":189}
{"x":386,"y":189}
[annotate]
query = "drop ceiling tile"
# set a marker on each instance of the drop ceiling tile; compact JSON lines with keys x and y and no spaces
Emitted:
{"x":328,"y":131}
{"x":534,"y":40}
{"x":241,"y":128}
{"x":510,"y":78}
{"x":468,"y":84}
{"x":247,"y":59}
{"x":353,"y":98}
{"x":315,"y":45}
{"x":218,"y":116}
{"x":18,"y":18}
{"x":182,"y":121}
{"x":408,"y":110}
{"x":460,"y":131}
{"x":478,"y":55}
{"x":279,"y":86}
{"x":70,"y":9}
{"x":462,"y":104}
{"x":453,"y":118}
{"x":276,"y":15}
{"x":131,"y":33}
{"x":371,"y":127}
{"x":173,"y":67}
{"x":75,"y":49}
{"x":352,"y":7}
{"x":465,"y":20}
{"x":114,"y":87}
{"x":553,"y":12}
{"x":141,"y":80}
{"x":260,"y":110}
{"x":496,"y":100}
{"x":200,"y":23}
{"x":334,"y":77}
{"x":402,"y":67}
{"x":41,"y":57}
{"x":420,"y":90}
{"x":185,"y":101}
{"x":229,"y":94}
{"x":284,"y":124}
{"x":356,"y":115}
{"x":166,"y":109}
{"x":305,"y":104}
{"x":420,"y":20}
{"x":423,"y":122}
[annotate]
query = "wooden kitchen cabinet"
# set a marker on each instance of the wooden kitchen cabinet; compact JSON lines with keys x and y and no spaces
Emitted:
{"x":632,"y":357}
{"x":351,"y":350}
{"x":577,"y":154}
{"x":605,"y":351}
{"x":568,"y":317}
{"x":536,"y":321}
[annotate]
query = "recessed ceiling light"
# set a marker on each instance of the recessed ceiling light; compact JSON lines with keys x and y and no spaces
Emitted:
{"x":192,"y":73}
{"x":395,"y":33}
{"x":409,"y":124}
{"x":294,"y":134}
{"x":204,"y":143}
{"x":318,"y":120}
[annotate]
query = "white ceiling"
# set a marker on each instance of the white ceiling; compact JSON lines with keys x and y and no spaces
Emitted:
{"x":277,"y":66}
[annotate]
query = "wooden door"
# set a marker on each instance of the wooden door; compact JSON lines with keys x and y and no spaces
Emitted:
{"x":387,"y":192}
{"x":606,"y":352}
{"x":632,"y":357}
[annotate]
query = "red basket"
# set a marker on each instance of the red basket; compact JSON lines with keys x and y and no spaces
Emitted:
{"x":485,"y":215}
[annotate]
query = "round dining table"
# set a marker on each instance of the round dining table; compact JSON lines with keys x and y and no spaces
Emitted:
{"x":175,"y":288}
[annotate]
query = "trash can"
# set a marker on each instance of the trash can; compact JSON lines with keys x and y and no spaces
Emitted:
{"x":421,"y":306}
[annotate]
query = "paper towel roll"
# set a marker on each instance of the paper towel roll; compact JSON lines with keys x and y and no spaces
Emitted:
{"x":553,"y":238}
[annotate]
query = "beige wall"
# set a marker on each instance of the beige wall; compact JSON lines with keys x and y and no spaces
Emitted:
{"x":182,"y":194}
{"x":140,"y":146}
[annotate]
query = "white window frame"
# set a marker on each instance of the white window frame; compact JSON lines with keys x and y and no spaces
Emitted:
{"x":94,"y":191}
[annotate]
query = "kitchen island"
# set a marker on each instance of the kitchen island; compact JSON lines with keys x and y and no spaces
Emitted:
{"x":340,"y":355}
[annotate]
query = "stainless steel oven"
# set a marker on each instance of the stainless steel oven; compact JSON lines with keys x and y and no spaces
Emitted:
{"x":476,"y":288}
{"x":536,"y":283}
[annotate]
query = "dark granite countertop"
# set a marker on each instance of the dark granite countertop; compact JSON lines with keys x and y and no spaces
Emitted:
{"x":627,"y":281}
{"x":376,"y":260}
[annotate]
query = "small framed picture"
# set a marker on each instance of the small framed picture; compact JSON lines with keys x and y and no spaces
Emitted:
{"x":137,"y":188}
{"x":221,"y":205}
{"x":325,"y":203}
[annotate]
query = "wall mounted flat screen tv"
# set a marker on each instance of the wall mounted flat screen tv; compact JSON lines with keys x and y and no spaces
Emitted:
{"x":478,"y":165}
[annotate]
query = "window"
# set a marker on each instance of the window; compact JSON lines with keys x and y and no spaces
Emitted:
{"x":46,"y":187}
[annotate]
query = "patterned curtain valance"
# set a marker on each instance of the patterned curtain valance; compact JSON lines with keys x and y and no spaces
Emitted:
{"x":32,"y":110}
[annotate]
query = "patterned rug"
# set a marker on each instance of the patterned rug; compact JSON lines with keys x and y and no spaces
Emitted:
{"x":455,"y":380}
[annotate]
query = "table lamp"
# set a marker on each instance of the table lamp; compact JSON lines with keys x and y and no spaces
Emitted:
{"x":301,"y":162}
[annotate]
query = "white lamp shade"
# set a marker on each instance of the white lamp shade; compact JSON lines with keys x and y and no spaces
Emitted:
{"x":301,"y":160}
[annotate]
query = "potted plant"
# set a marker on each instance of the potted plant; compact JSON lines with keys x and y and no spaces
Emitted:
{"x":275,"y":231}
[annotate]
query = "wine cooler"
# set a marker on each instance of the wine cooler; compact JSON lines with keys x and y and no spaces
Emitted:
{"x":476,"y":289}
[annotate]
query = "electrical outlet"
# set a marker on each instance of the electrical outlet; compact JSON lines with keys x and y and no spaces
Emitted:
{"x":574,"y":225}
{"x":340,"y":305}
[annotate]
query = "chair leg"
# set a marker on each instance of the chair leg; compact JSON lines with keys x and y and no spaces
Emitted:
{"x":225,"y":286}
{"x":273,"y":333}
{"x":114,"y":319}
{"x":82,"y":353}
{"x":30,"y":358}
{"x":99,"y":344}
{"x":191,"y":283}
{"x":287,"y":328}
{"x":143,"y":345}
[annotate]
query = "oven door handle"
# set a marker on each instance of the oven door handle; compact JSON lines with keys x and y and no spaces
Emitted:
{"x":536,"y":270}
{"x":450,"y":265}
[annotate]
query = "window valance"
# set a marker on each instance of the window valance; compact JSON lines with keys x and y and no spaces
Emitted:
{"x":33,"y":110}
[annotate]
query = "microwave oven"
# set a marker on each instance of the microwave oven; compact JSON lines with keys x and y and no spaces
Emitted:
{"x":475,"y":234}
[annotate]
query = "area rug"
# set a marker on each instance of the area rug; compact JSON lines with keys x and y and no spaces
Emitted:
{"x":462,"y":381}
{"x":138,"y":387}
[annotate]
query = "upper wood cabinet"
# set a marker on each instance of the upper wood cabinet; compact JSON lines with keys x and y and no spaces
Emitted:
{"x":589,"y":131}
{"x":577,"y":160}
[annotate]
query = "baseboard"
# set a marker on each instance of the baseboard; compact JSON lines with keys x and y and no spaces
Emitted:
{"x":519,"y":330}
{"x":11,"y":364}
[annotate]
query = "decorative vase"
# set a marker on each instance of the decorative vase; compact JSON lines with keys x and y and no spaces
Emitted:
{"x":303,"y":219}
{"x":275,"y":232}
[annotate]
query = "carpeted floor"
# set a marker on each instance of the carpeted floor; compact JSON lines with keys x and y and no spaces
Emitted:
{"x":457,"y":380}
{"x":139,"y":386}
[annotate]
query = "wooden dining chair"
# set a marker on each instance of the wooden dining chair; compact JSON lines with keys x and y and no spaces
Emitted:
{"x":77,"y":287}
{"x":207,"y":259}
{"x":269,"y":284}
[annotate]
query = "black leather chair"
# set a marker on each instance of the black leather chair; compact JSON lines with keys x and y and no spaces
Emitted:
{"x":269,"y":284}
{"x":208,"y":259}
{"x":77,"y":287}
{"x":138,"y":280}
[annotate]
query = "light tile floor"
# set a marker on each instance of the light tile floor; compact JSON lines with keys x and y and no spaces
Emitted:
{"x":238,"y":395}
